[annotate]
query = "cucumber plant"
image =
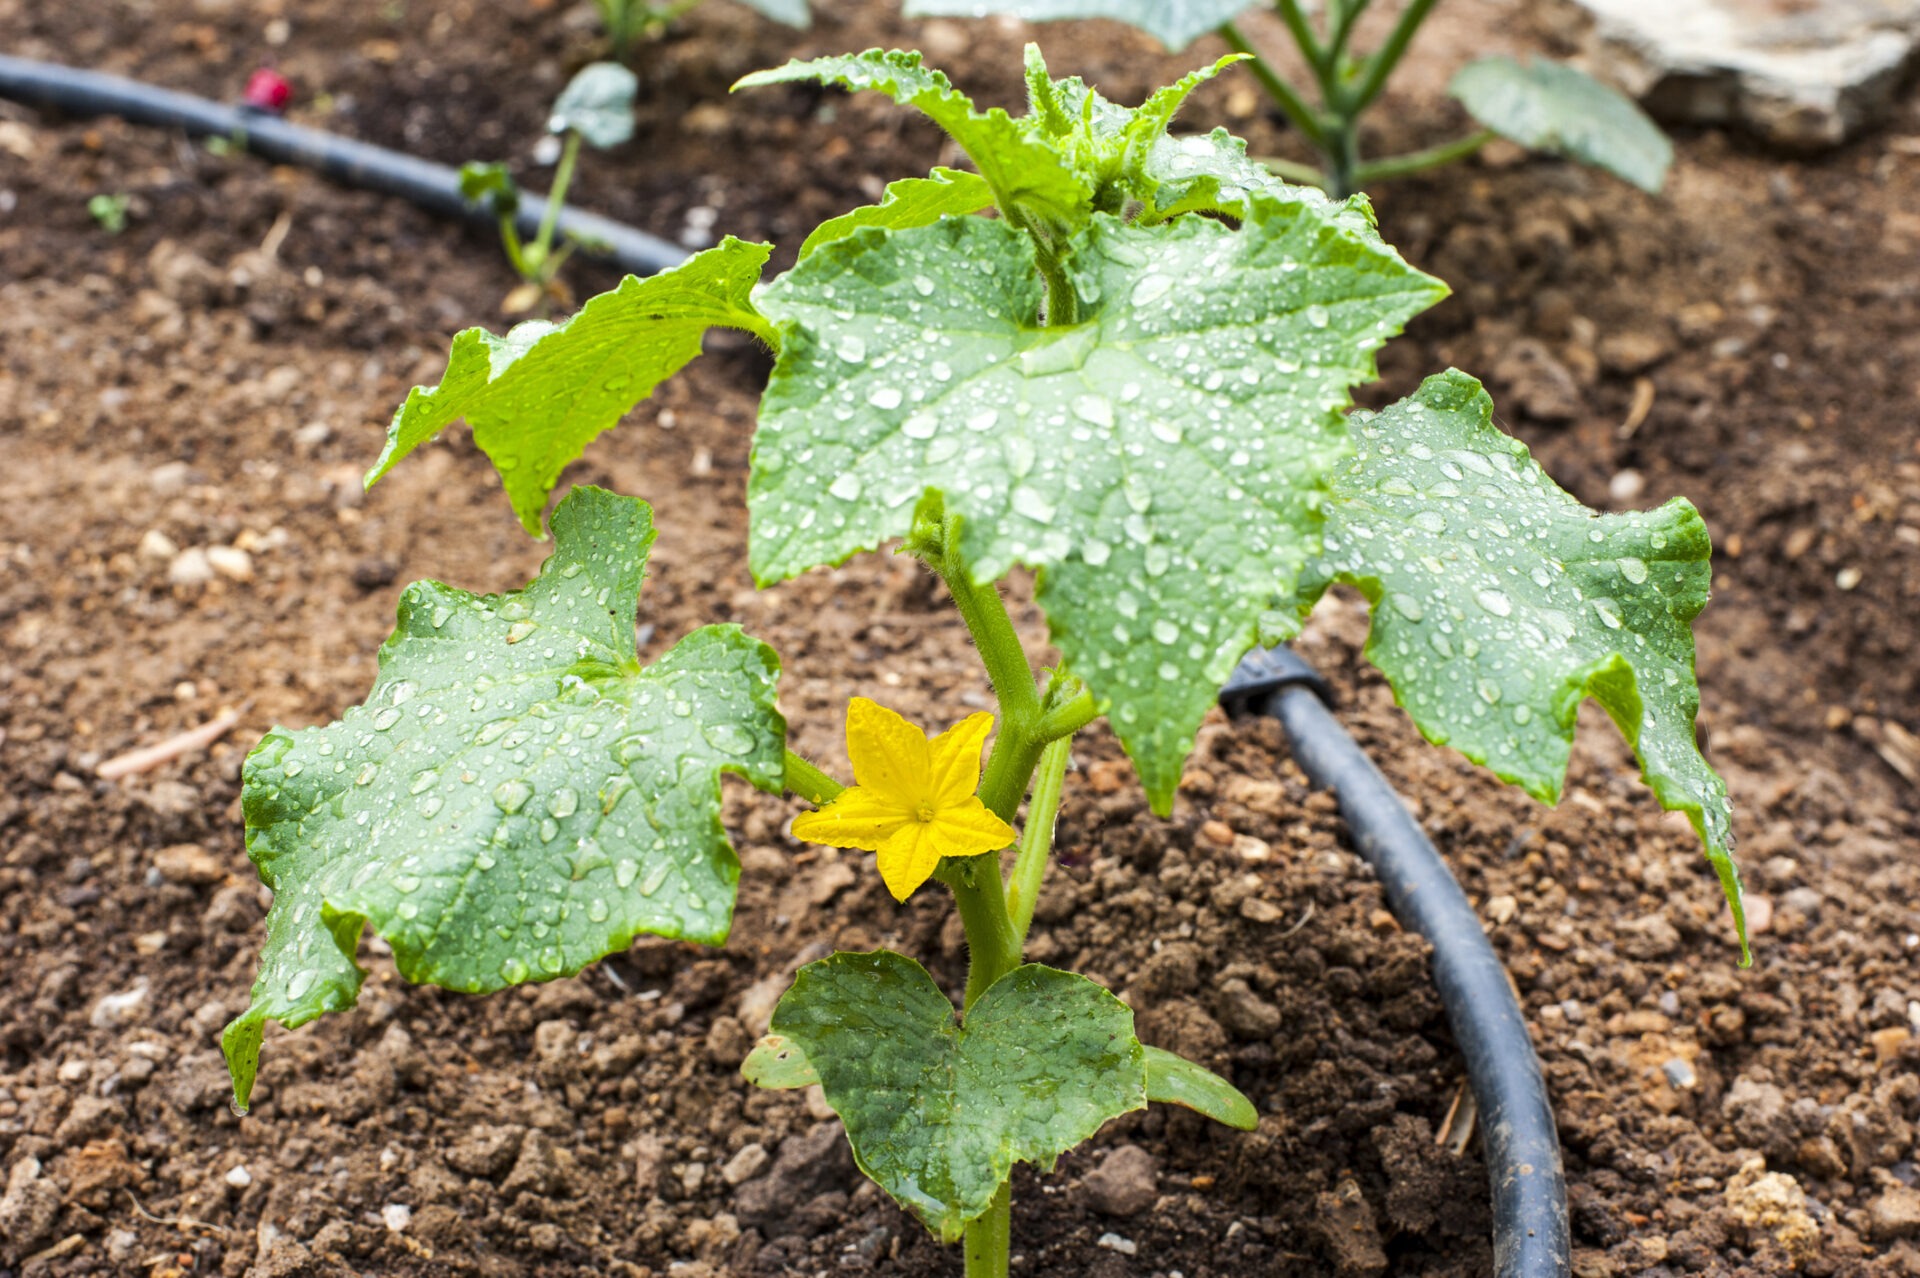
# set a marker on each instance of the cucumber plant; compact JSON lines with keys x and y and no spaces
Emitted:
{"x":1542,"y":105}
{"x":596,"y":108}
{"x":1115,"y":356}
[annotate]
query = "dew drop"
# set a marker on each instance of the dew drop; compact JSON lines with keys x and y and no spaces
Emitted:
{"x":851,"y":349}
{"x":514,"y":971}
{"x":920,"y":426}
{"x":1316,"y":316}
{"x":729,"y":738}
{"x":1407,"y":606}
{"x":562,"y":803}
{"x":302,"y":982}
{"x":1150,"y":289}
{"x":885,"y":397}
{"x":846,"y":487}
{"x":1166,"y":630}
{"x":1494,"y":601}
{"x":511,"y":796}
{"x":1634,"y":570}
{"x":655,"y":877}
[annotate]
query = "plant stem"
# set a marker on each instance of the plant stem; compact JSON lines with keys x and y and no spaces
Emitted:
{"x":557,"y":197}
{"x":1433,"y":157}
{"x":1385,"y":58}
{"x":990,"y":1237}
{"x":1303,"y":116}
{"x":811,"y":783}
{"x":1310,"y":47}
{"x":1293,"y":171}
{"x":1036,"y":840}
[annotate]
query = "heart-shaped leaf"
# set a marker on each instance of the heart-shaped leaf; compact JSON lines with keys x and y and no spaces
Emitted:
{"x":1500,"y":603}
{"x":597,"y":104}
{"x":1162,"y":462}
{"x":1550,"y":106}
{"x":938,"y":1113}
{"x":517,"y":797}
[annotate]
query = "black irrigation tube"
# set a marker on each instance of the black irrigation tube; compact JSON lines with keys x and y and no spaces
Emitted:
{"x":434,"y":187}
{"x":1530,"y":1234}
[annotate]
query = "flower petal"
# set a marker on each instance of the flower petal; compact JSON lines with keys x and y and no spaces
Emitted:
{"x":889,"y":754}
{"x":909,"y":858}
{"x":969,"y":829}
{"x":956,"y":758}
{"x":856,"y":818}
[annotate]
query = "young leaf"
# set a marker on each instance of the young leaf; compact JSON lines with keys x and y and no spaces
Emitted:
{"x":1028,"y":177}
{"x":517,"y":797}
{"x":597,"y":104}
{"x":491,"y":183}
{"x":938,"y":1113}
{"x":538,"y":396}
{"x":1500,"y":603}
{"x":1550,"y":106}
{"x":1162,"y":462}
{"x":909,"y":202}
{"x":1175,"y":1080}
{"x":1175,"y":23}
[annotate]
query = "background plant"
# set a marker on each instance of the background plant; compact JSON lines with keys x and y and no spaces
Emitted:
{"x":1133,"y":380}
{"x":596,"y":108}
{"x":628,"y":20}
{"x":1542,"y":105}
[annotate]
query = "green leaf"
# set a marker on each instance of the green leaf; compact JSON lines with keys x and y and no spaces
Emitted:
{"x":938,"y":1113}
{"x":490,"y":184}
{"x":1549,"y":106}
{"x":517,"y":797}
{"x":1500,"y":603}
{"x":1175,"y":1080}
{"x":909,"y":202}
{"x":1162,"y":462}
{"x":792,"y":12}
{"x":538,"y":396}
{"x":1027,"y":176}
{"x":597,"y":104}
{"x":1175,"y":23}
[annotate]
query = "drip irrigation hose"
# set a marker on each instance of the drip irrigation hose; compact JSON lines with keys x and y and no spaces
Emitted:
{"x":1530,"y":1234}
{"x":435,"y":187}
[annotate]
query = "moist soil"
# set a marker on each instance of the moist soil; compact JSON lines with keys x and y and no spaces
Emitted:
{"x":185,"y":411}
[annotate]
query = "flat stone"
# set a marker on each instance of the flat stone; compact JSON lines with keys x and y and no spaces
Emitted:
{"x":1802,"y":74}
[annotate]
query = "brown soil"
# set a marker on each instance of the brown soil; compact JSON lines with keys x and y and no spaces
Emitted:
{"x":1748,"y":341}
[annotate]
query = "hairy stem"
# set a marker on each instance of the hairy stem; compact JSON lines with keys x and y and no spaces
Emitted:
{"x":814,"y":784}
{"x":1036,"y":840}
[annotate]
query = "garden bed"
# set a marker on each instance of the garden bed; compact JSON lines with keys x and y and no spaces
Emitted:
{"x":220,"y":374}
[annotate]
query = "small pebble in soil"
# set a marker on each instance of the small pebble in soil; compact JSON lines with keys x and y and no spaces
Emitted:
{"x":397,"y":1217}
{"x":239,"y":1177}
{"x":1114,"y":1242}
{"x":1680,"y":1075}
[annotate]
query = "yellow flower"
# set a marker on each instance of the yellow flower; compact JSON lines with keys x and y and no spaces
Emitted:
{"x":912,"y":800}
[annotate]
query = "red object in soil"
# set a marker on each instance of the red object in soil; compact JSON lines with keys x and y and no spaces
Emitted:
{"x":268,"y":90}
